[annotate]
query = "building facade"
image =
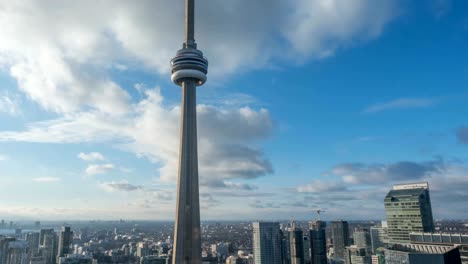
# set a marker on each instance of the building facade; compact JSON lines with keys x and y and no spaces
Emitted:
{"x":340,"y":237}
{"x":422,"y":254}
{"x":318,"y":242}
{"x":379,"y":237}
{"x":408,"y":209}
{"x":267,"y":243}
{"x":459,"y":240}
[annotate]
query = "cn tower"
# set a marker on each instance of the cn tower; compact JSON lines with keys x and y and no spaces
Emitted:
{"x":189,"y":69}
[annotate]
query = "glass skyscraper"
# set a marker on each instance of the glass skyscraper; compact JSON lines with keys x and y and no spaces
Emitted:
{"x":318,"y":242}
{"x":340,"y":236}
{"x":267,"y":243}
{"x":408,"y":209}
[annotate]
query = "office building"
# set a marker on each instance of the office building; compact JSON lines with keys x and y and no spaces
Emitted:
{"x":408,"y":209}
{"x":379,"y":237}
{"x":4,"y":241}
{"x":296,"y":240}
{"x":449,"y":239}
{"x":33,"y":242}
{"x":362,"y":239}
{"x":318,"y":242}
{"x":422,"y":254}
{"x":64,"y":241}
{"x":357,"y":255}
{"x":266,"y":243}
{"x":189,"y":69}
{"x":306,"y":246}
{"x":75,"y":259}
{"x":49,"y":248}
{"x":340,"y":237}
{"x":18,"y":252}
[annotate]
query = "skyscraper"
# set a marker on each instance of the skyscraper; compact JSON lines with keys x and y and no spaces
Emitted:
{"x":318,"y":242}
{"x":408,"y":208}
{"x":362,"y":239}
{"x":189,"y":69}
{"x":379,"y":237}
{"x":64,"y":242}
{"x":340,"y":237}
{"x":267,"y":243}
{"x":296,"y":244}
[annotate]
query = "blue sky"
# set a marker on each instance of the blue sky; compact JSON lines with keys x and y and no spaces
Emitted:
{"x":311,"y":104}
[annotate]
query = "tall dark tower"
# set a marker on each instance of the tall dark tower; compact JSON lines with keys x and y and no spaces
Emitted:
{"x":189,"y":69}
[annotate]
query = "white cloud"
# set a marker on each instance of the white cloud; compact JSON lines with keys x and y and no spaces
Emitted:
{"x":92,"y":156}
{"x":9,"y":105}
{"x":402,"y":103}
{"x":66,"y":69}
{"x":47,"y":179}
{"x":119,"y":186}
{"x":95,"y":169}
{"x":3,"y":157}
{"x":322,"y":187}
{"x":227,"y":137}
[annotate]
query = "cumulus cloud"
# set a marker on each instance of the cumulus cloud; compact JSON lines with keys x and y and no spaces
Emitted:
{"x":360,"y":173}
{"x":402,"y":103}
{"x":92,"y":156}
{"x":47,"y":179}
{"x":66,"y":68}
{"x":462,"y":135}
{"x":95,"y":169}
{"x":119,"y":186}
{"x":226,"y":137}
{"x":322,"y":186}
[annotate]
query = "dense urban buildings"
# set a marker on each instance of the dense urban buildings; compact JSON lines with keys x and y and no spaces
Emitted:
{"x":189,"y":69}
{"x":340,"y":237}
{"x":267,"y":243}
{"x":408,"y":209}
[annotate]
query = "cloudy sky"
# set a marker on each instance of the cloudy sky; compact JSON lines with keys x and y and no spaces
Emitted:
{"x":310,"y":104}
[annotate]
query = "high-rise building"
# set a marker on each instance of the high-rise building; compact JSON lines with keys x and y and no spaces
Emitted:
{"x":33,"y":241}
{"x":451,"y":239}
{"x":296,"y":244}
{"x":189,"y":69}
{"x":318,"y":242}
{"x":362,"y":239}
{"x":49,"y":248}
{"x":266,"y":243}
{"x":379,"y":237}
{"x":18,"y":252}
{"x":306,"y":248}
{"x":43,"y":233}
{"x":340,"y":237}
{"x":422,"y":254}
{"x":408,"y":209}
{"x":64,"y":242}
{"x":357,"y":255}
{"x":4,"y":248}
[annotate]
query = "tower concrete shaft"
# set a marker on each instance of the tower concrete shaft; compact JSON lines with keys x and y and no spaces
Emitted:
{"x":189,"y":69}
{"x":187,"y":235}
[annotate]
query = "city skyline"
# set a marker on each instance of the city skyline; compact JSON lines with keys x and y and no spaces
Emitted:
{"x":323,"y":107}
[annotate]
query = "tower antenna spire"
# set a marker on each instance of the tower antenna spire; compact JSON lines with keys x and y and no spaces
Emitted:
{"x":190,"y":24}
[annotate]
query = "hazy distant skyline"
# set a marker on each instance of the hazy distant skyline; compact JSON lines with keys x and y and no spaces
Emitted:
{"x":310,"y":104}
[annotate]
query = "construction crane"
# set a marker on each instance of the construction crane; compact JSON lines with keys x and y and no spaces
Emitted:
{"x":318,"y":214}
